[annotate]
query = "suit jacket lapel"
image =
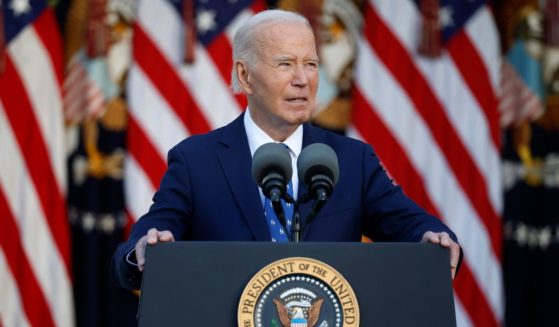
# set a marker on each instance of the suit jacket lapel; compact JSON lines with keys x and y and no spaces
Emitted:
{"x":236,"y":162}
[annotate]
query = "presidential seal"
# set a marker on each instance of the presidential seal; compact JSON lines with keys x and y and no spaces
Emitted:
{"x":298,"y":292}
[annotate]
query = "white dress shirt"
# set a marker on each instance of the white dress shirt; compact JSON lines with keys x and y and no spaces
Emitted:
{"x":257,"y":137}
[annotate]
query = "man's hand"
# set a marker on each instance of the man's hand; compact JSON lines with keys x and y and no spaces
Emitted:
{"x":152,"y":237}
{"x":445,"y":241}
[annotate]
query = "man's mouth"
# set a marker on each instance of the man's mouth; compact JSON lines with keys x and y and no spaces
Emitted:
{"x":297,"y":99}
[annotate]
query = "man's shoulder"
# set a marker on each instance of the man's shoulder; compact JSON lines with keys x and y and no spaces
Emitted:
{"x":200,"y":141}
{"x":212,"y":139}
{"x":335,"y":140}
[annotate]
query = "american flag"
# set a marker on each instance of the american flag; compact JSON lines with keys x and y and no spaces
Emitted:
{"x":169,"y":98}
{"x":433,"y":120}
{"x":35,"y":278}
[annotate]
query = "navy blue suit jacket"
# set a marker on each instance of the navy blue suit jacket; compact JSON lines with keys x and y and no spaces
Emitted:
{"x":208,"y":194}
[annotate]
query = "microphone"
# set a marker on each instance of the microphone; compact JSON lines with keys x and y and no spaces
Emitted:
{"x":318,"y":168}
{"x":272,"y":171}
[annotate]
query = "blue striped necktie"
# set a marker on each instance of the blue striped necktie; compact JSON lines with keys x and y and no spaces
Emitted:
{"x":277,"y":232}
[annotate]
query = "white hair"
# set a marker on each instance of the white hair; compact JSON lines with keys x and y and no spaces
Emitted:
{"x":244,"y":45}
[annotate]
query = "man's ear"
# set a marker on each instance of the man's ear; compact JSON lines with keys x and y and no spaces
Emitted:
{"x":241,"y":69}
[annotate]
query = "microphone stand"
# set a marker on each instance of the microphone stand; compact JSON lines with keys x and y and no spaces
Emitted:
{"x":296,"y":222}
{"x":317,"y":206}
{"x":278,"y":209}
{"x":275,"y":199}
{"x":296,"y":228}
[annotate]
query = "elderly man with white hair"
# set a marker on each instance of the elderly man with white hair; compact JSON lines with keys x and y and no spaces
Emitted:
{"x":208,"y":192}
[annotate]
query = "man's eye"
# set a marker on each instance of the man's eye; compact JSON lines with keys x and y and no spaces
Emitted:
{"x":312,"y":64}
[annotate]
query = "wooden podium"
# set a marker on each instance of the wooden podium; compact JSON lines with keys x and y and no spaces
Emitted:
{"x":203,"y":283}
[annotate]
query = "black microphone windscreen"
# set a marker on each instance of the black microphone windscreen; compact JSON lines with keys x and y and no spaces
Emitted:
{"x":271,"y":157}
{"x":318,"y":158}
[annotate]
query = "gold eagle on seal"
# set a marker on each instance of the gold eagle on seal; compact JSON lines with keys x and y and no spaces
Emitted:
{"x":295,"y":315}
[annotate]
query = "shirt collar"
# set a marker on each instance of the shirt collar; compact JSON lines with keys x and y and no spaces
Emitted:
{"x":257,"y":137}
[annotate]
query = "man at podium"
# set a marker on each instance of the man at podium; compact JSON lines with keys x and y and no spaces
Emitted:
{"x":208,"y":191}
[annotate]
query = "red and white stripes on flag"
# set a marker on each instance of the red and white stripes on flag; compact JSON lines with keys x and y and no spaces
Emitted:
{"x":83,"y":97}
{"x":518,"y":103}
{"x":170,"y":100}
{"x":434,"y":124}
{"x":35,"y":282}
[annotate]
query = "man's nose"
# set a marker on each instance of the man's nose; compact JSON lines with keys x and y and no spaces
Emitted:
{"x":300,"y":77}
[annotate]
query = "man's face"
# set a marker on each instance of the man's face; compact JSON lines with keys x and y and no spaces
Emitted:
{"x":283,"y":81}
